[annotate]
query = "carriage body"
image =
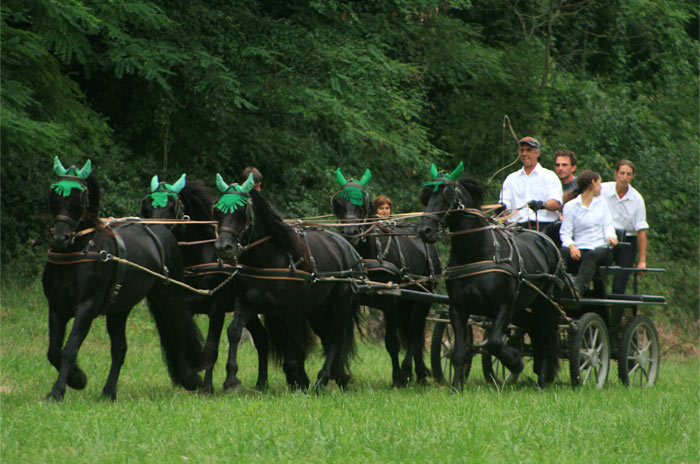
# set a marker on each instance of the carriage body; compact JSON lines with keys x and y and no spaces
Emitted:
{"x":594,"y":330}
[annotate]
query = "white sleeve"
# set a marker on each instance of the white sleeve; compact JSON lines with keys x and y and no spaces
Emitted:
{"x":554,"y":189}
{"x":608,"y":226}
{"x":567,"y":227}
{"x":640,"y":217}
{"x":507,"y":194}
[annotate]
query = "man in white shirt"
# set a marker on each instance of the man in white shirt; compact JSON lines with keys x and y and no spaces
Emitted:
{"x":628,"y":212}
{"x":533,"y":187}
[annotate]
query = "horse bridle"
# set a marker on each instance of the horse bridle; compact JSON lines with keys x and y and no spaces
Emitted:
{"x":179,"y":205}
{"x":455,"y":204}
{"x":73,"y":223}
{"x":367,"y":204}
{"x":247,"y":227}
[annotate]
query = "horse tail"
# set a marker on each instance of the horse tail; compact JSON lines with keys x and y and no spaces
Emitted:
{"x":180,"y":339}
{"x":544,"y":333}
{"x":412,"y":323}
{"x":279,"y":335}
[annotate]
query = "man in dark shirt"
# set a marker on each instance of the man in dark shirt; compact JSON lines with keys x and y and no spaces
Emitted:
{"x":565,"y":167}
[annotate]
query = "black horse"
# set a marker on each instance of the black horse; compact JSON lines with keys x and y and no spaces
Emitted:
{"x":391,"y":254}
{"x":81,"y":281}
{"x":296,"y":274}
{"x":187,"y":199}
{"x":496,"y":273}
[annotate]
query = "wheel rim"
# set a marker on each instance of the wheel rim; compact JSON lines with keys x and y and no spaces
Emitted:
{"x":640,"y":356}
{"x":495,"y":371}
{"x":446,"y":351}
{"x":594,"y":353}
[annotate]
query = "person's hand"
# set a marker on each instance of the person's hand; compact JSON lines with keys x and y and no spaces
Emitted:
{"x":501,"y":207}
{"x":536,"y":205}
{"x":574,"y":252}
{"x":642,"y":264}
{"x":612,"y":241}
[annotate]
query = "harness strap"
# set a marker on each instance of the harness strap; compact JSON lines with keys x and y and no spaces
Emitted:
{"x":314,"y":268}
{"x":209,"y":268}
{"x":161,"y":254}
{"x":296,"y":275}
{"x":75,"y":257}
{"x":477,"y":268}
{"x":121,"y":267}
{"x":376,"y":265}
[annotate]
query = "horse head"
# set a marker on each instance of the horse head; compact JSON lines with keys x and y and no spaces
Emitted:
{"x":68,"y":202}
{"x":164,"y":200}
{"x":443,"y":195}
{"x":234,"y":214}
{"x":352,"y":203}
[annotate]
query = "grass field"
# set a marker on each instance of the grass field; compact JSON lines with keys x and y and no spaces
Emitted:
{"x":152,"y":421}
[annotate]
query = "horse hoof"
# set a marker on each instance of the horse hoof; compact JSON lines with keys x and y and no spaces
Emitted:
{"x":55,"y":396}
{"x":111,"y":396}
{"x":76,"y":379}
{"x":192,"y":382}
{"x":230,"y":387}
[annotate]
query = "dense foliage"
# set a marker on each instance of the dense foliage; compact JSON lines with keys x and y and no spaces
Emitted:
{"x":298,"y":88}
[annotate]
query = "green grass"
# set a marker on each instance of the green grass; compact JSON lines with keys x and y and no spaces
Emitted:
{"x":152,"y":421}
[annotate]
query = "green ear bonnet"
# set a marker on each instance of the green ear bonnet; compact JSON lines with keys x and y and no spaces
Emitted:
{"x":352,"y":190}
{"x":234,"y":195}
{"x":160,"y":191}
{"x":444,"y":179}
{"x":70,"y":178}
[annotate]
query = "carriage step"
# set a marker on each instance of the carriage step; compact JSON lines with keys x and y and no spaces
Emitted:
{"x":650,"y":299}
{"x":618,"y":300}
{"x":618,"y":269}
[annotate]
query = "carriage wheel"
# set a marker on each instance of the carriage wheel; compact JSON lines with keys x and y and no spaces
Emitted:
{"x":639,"y":357}
{"x":495,"y":372}
{"x":441,"y":350}
{"x":589,"y":353}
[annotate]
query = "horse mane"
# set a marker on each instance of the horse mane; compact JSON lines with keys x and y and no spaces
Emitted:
{"x":197,"y":199}
{"x":92,"y":211}
{"x":471,"y":186}
{"x":93,"y":206}
{"x":475,"y":190}
{"x":282,"y":234}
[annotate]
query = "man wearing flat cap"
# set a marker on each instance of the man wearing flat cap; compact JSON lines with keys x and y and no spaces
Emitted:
{"x":533,"y":188}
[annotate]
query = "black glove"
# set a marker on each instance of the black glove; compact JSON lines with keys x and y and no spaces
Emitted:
{"x":536,"y":205}
{"x":500,"y":209}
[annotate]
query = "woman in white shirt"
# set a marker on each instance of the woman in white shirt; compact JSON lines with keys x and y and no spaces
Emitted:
{"x":629,"y":215}
{"x":586,"y":230}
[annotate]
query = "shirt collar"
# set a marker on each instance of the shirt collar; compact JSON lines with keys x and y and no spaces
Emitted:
{"x":537,"y":169}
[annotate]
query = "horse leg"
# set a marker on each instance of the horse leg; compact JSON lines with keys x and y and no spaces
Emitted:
{"x":57,"y":332}
{"x":293,"y":366}
{"x":393,"y":345}
{"x":459,"y":318}
{"x":508,"y":355}
{"x":417,"y":340}
{"x":262,"y":345}
{"x":217,"y":315}
{"x":116,"y":328}
{"x":406,"y":340}
{"x":69,"y":354}
{"x":326,"y":372}
{"x":234,"y":337}
{"x":546,"y":350}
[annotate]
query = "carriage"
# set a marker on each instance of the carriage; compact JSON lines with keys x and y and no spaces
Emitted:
{"x":521,"y":314}
{"x":593,"y":331}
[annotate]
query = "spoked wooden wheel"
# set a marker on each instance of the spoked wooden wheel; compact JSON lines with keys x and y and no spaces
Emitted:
{"x":442,"y":349}
{"x":495,"y":372}
{"x":589,"y":353}
{"x":639,"y":356}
